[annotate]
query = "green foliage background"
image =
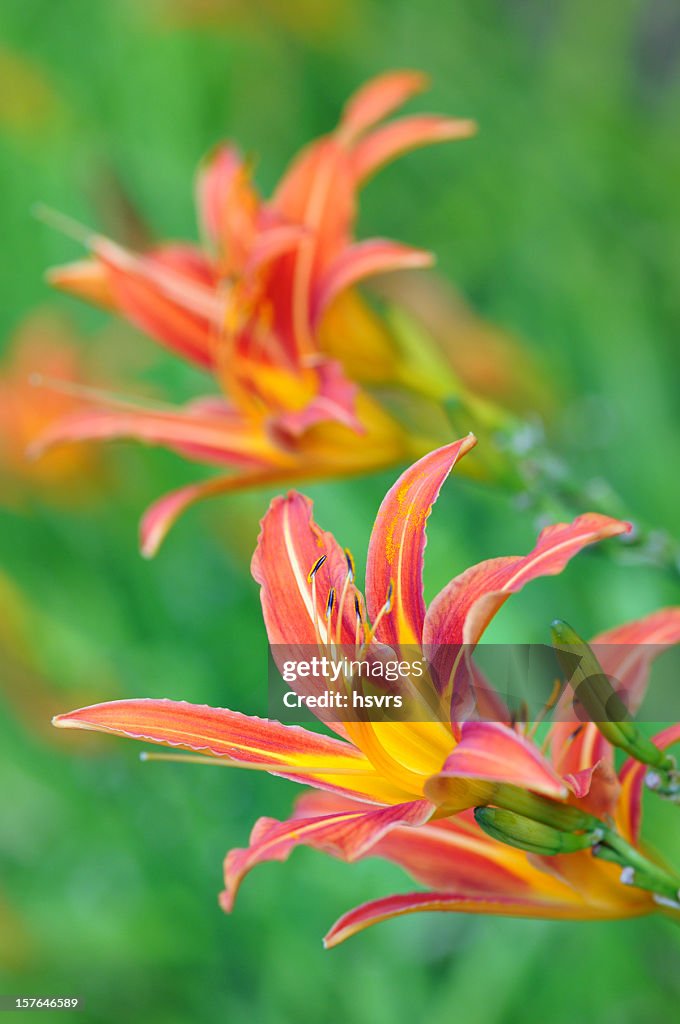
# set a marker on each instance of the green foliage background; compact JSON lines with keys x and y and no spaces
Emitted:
{"x":560,"y":223}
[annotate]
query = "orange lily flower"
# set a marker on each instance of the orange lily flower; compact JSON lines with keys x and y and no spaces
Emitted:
{"x":405,"y":789}
{"x":268,"y":308}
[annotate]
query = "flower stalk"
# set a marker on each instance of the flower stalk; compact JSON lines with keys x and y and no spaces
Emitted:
{"x":638,"y":870}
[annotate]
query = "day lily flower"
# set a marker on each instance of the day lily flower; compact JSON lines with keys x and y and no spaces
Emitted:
{"x":406,"y":790}
{"x":268,"y":307}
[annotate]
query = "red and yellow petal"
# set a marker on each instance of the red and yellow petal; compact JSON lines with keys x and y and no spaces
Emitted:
{"x":460,"y":613}
{"x":288,"y":751}
{"x":228,"y":205}
{"x":494,"y":753}
{"x":222,"y":439}
{"x":296,"y":564}
{"x":333,"y":400}
{"x":598,"y":883}
{"x":395,"y":551}
{"x":390,"y":141}
{"x":377,"y":99}
{"x":160,"y":517}
{"x":465,"y":903}
{"x":169,"y":292}
{"x":87,"y":280}
{"x":347,"y":834}
{"x":445,"y":853}
{"x":362,"y":260}
{"x":463,"y":609}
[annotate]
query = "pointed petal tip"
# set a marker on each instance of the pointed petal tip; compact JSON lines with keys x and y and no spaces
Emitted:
{"x":457,"y":128}
{"x":398,"y":539}
{"x":54,"y":276}
{"x":65,"y":721}
{"x":224,"y":148}
{"x":417,"y":80}
{"x":225,"y":901}
{"x":412,"y":257}
{"x":150,"y":539}
{"x":380,"y":96}
{"x":619,"y":527}
{"x":62,"y":277}
{"x":149,"y":544}
{"x":162,"y":515}
{"x":462,"y":446}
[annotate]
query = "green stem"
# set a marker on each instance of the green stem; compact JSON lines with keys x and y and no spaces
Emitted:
{"x":643,"y":873}
{"x":552,"y":489}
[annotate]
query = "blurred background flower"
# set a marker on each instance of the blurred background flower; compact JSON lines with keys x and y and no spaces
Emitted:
{"x":42,"y":353}
{"x":558,"y":225}
{"x":312,"y":382}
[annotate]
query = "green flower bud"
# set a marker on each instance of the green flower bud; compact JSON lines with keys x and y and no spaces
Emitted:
{"x":593,"y":689}
{"x":463,"y":792}
{"x":532,"y":836}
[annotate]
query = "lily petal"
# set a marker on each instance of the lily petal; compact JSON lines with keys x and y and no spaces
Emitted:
{"x":362,"y":260}
{"x":378,"y":98}
{"x":494,"y":753}
{"x":290,"y":752}
{"x":393,"y":140}
{"x":446,"y":853}
{"x":225,"y":438}
{"x":334,"y":401}
{"x":347,"y":834}
{"x":227,"y":203}
{"x":87,"y":280}
{"x":596,"y":787}
{"x":597,"y":882}
{"x":294,"y":601}
{"x":395,"y":550}
{"x":217,"y":732}
{"x":160,"y":517}
{"x":576,"y":748}
{"x":169,"y":293}
{"x":460,"y":613}
{"x":466,"y":903}
{"x":274,"y":242}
